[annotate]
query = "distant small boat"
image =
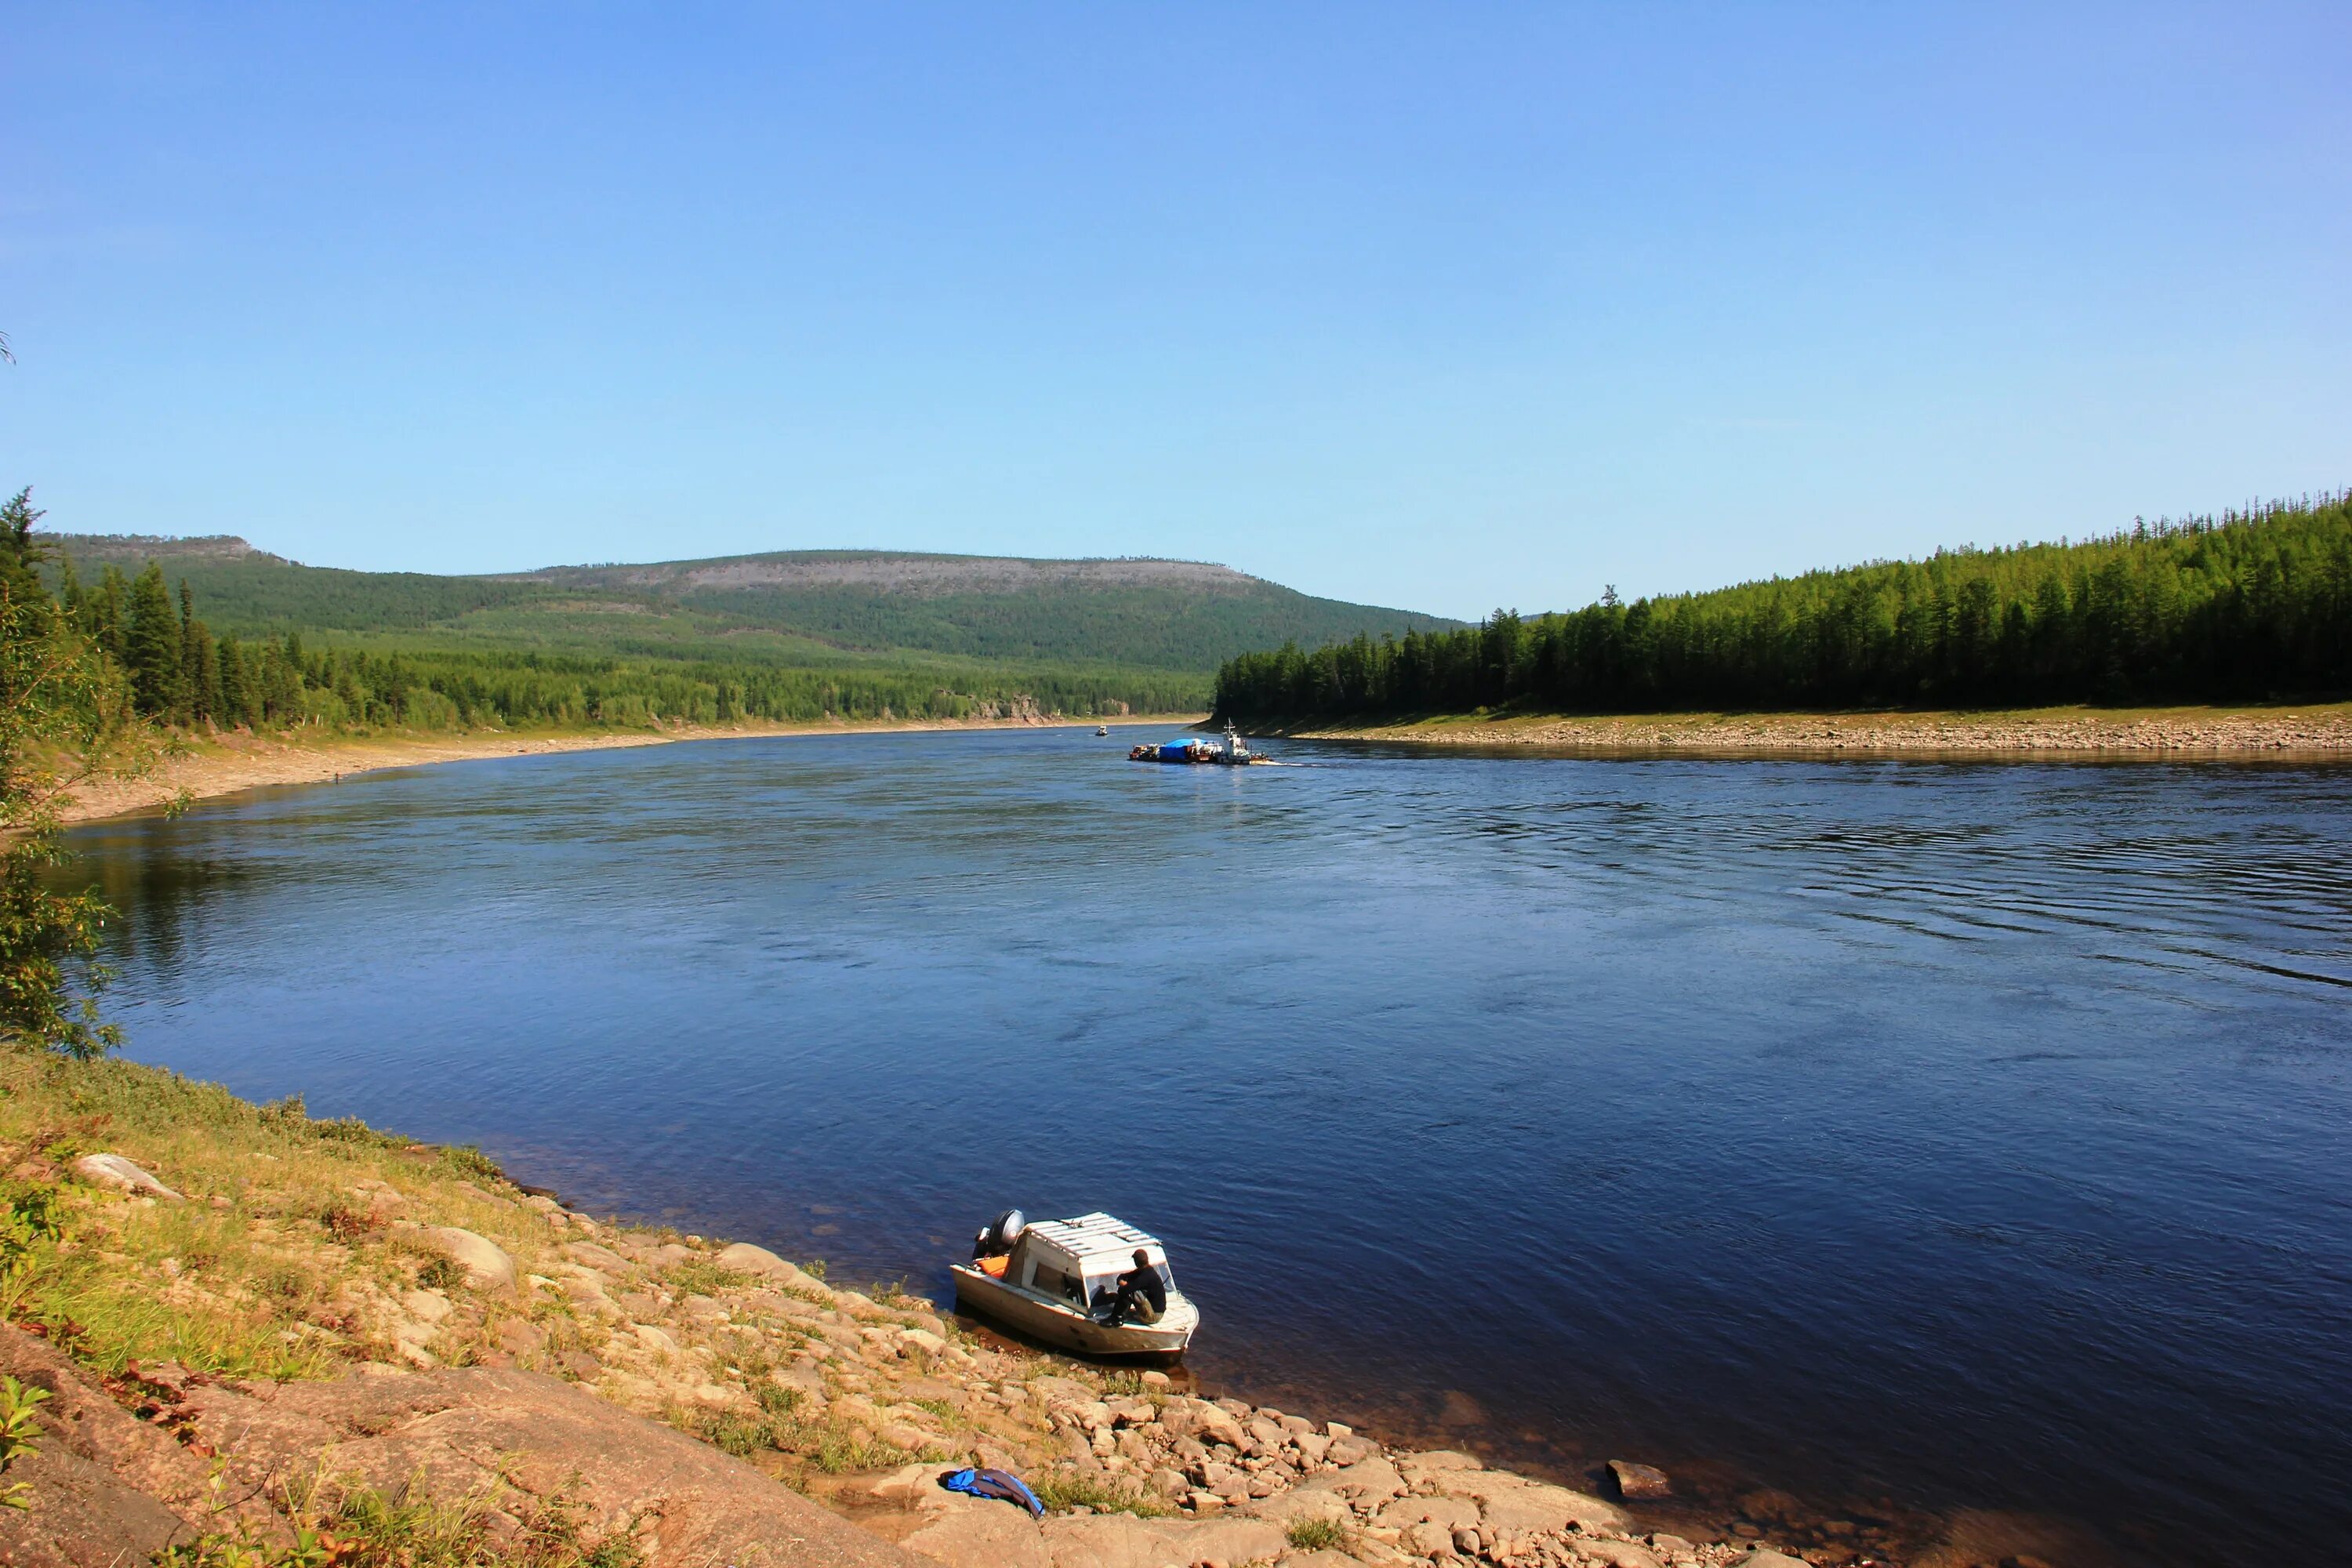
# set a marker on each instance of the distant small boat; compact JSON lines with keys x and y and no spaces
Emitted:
{"x":1102,"y":729}
{"x":1053,"y":1280}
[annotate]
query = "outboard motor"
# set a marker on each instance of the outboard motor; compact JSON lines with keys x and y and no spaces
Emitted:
{"x":997,"y":1237}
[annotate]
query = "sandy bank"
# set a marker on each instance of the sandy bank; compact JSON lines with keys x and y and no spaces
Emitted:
{"x":2318,"y":732}
{"x":233,"y":762}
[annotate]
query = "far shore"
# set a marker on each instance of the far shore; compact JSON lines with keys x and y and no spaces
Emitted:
{"x":229,"y":763}
{"x":2315,"y":731}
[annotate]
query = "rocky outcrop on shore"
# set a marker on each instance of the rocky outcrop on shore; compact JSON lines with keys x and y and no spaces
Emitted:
{"x":669,"y":1395}
{"x":2325,"y":732}
{"x":165,"y":1458}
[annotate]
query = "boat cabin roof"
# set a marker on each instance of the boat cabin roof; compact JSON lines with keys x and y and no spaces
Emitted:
{"x":1093,"y":1238}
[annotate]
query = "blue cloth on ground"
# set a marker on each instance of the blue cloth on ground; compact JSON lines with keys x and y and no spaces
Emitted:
{"x":996,"y":1484}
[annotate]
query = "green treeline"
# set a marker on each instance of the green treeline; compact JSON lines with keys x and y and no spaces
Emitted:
{"x":2251,"y":606}
{"x":178,"y":673}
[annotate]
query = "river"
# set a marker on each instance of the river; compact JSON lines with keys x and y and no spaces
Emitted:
{"x":1896,"y":1134}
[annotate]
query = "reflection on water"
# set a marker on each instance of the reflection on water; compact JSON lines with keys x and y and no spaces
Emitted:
{"x":1967,"y":1134}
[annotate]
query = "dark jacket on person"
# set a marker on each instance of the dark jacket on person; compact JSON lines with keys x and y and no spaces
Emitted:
{"x":1143,"y":1283}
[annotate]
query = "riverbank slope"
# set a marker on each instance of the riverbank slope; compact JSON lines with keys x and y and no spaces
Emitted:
{"x":228,"y":764}
{"x":2314,"y":730}
{"x":251,"y":1321}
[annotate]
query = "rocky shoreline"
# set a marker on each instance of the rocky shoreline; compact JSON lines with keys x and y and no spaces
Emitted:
{"x":680,"y":1401}
{"x":2315,"y":732}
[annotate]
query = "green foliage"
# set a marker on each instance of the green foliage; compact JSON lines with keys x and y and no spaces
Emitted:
{"x":361,"y":1527}
{"x":699,"y":1276}
{"x":1062,"y":1491}
{"x":2253,"y":605}
{"x":469,"y":1161}
{"x":21,"y":550}
{"x":19,"y":1429}
{"x":55,"y":698}
{"x":1317,"y":1532}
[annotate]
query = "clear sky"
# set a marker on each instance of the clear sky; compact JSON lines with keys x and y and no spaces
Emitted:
{"x":1446,"y":306}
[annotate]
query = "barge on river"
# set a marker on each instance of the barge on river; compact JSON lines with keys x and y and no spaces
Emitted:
{"x":1233,"y":753}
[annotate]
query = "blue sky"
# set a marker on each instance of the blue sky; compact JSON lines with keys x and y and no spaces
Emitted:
{"x":1448,"y":306}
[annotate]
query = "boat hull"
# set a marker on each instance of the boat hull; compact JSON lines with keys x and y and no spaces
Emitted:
{"x":1068,"y":1329}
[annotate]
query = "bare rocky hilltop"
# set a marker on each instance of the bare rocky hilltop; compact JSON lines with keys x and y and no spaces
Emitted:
{"x":895,"y":573}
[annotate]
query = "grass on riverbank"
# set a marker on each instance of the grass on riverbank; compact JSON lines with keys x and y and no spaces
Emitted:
{"x":284,"y":1261}
{"x":300,"y":1248}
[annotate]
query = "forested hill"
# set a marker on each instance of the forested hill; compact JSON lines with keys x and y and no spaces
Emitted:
{"x":1137,"y":614}
{"x":2247,"y":607}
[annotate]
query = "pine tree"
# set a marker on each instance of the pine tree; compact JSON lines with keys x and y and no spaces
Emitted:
{"x":199,"y":662}
{"x":21,"y":551}
{"x":239,"y":704}
{"x":153,"y":648}
{"x":106,"y":615}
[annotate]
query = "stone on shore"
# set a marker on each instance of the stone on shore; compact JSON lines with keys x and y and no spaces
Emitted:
{"x":745,"y":1258}
{"x":485,"y":1263}
{"x":1512,"y":1505}
{"x":114,"y":1171}
{"x":1765,"y":1557}
{"x":1639,"y":1481}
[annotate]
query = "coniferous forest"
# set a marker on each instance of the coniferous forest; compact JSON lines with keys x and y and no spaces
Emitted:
{"x":2251,"y":606}
{"x":174,"y":671}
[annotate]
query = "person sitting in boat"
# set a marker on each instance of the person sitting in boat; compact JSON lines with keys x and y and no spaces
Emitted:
{"x":1142,"y":1294}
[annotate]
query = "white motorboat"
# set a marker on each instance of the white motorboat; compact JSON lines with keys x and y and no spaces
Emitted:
{"x":1049,"y":1280}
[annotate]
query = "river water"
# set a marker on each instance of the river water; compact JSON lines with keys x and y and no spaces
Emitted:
{"x":1956,"y":1135}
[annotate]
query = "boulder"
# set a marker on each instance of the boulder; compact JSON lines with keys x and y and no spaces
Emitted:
{"x":485,"y":1263}
{"x":1123,"y":1541}
{"x":425,"y":1306}
{"x":114,"y":1171}
{"x":1619,"y":1553}
{"x":520,"y":1338}
{"x":1440,"y":1460}
{"x":1426,"y":1539}
{"x":995,"y":1537}
{"x":107,"y":1488}
{"x":745,"y":1258}
{"x":1371,"y":1481}
{"x":1314,"y":1497}
{"x":1513,"y":1505}
{"x":604,"y":1259}
{"x":1639,"y":1481}
{"x":1452,"y":1512}
{"x":1765,"y":1557}
{"x":1210,"y":1424}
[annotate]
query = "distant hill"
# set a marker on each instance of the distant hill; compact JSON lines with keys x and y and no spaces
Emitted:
{"x":788,"y":606}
